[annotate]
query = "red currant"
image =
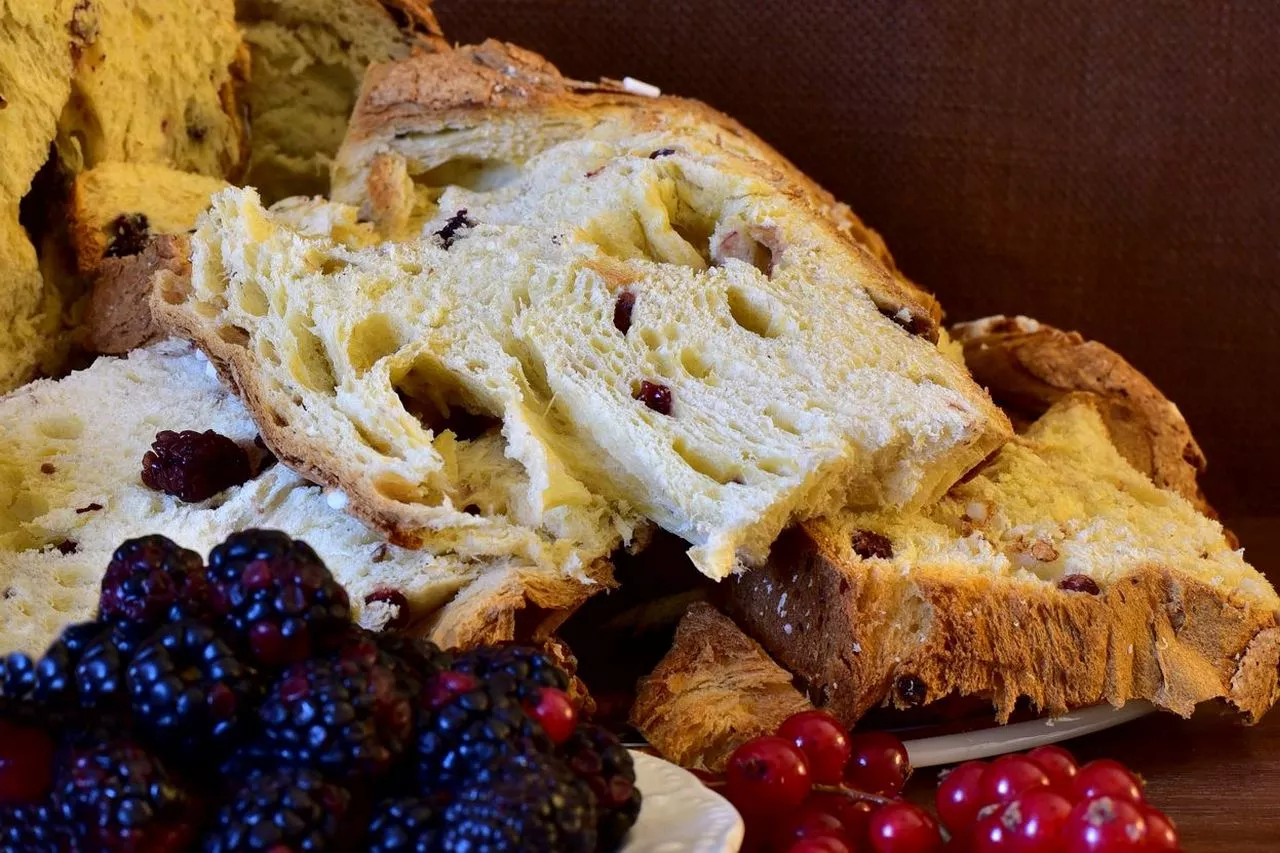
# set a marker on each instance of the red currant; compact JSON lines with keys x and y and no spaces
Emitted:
{"x":1032,"y":823}
{"x":1008,"y":777}
{"x":1162,"y":835}
{"x":767,"y":776}
{"x":878,"y":763}
{"x":825,"y":844}
{"x":1105,"y":824}
{"x":1107,"y":778}
{"x":852,"y":814}
{"x":957,"y":797}
{"x":812,"y":821}
{"x":554,"y":711}
{"x":903,"y":828}
{"x":824,"y":742}
{"x":989,"y":834}
{"x":1059,"y":765}
{"x":26,"y":764}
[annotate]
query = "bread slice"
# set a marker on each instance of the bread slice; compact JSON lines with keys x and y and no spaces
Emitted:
{"x":1058,"y":574}
{"x":471,"y":118}
{"x":790,"y":392}
{"x":70,"y":492}
{"x":714,"y":690}
{"x":1028,"y":366}
{"x":308,"y":60}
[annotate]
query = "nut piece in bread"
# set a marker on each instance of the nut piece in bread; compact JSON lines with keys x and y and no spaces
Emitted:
{"x":1058,"y":573}
{"x":715,"y":690}
{"x":1028,"y":366}
{"x":70,"y":493}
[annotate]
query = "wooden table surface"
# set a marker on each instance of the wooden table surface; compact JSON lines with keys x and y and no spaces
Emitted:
{"x":1219,"y":781}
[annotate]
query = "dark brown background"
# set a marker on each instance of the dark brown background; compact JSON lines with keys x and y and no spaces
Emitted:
{"x":1112,"y":167}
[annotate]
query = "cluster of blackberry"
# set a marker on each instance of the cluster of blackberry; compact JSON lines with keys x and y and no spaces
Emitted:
{"x":235,"y":706}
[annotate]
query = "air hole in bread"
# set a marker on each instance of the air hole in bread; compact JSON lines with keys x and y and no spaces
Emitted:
{"x":720,"y":471}
{"x":777,"y":467}
{"x":783,"y":419}
{"x":310,"y":365}
{"x":232,"y":334}
{"x":373,"y":338}
{"x":651,"y":338}
{"x":372,"y":440}
{"x":441,"y":404}
{"x":332,"y":266}
{"x":695,"y":363}
{"x":267,"y":350}
{"x":251,"y":299}
{"x":738,"y":244}
{"x":62,"y":427}
{"x":279,"y":419}
{"x":756,"y":311}
{"x":472,"y":173}
{"x":397,"y":488}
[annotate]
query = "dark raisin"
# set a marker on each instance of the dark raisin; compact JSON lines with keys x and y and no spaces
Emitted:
{"x":595,"y":172}
{"x":197,"y":132}
{"x":662,"y":152}
{"x":910,"y":690}
{"x":68,"y":546}
{"x":129,"y":233}
{"x":622,"y":311}
{"x":194,"y":466}
{"x":47,"y":468}
{"x":1079,"y":583}
{"x":382,"y":553}
{"x":449,"y":233}
{"x":395,"y":598}
{"x":870,"y":545}
{"x":91,"y":507}
{"x":656,"y":396}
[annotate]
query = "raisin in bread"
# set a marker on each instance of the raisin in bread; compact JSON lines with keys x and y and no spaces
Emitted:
{"x":1059,"y":574}
{"x":308,"y":60}
{"x":470,"y":119}
{"x":713,"y":691}
{"x":70,"y":492}
{"x":721,"y":398}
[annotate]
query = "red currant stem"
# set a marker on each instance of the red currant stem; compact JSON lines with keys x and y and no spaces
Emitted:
{"x":853,"y":794}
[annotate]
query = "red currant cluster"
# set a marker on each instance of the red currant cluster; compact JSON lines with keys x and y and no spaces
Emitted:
{"x":813,"y":787}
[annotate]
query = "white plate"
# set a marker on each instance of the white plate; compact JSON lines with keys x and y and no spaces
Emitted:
{"x":679,"y":814}
{"x":1018,"y":737}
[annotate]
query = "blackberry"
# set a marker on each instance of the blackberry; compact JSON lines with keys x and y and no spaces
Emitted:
{"x":194,"y":466}
{"x":17,"y":685}
{"x":403,"y":825}
{"x":417,"y":654}
{"x":470,"y":734}
{"x":598,"y":758}
{"x":288,"y":809}
{"x":150,"y":581}
{"x":33,"y":828}
{"x":55,"y":681}
{"x":345,"y":715}
{"x":529,"y":807}
{"x":100,"y":674}
{"x":276,"y":596}
{"x":518,"y":670}
{"x":188,"y":690}
{"x":116,"y":796}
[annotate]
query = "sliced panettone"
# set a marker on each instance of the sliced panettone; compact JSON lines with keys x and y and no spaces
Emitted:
{"x":1028,"y":366}
{"x":589,"y":308}
{"x":308,"y":60}
{"x":1059,"y":574}
{"x":70,"y":492}
{"x":715,"y":690}
{"x":473,"y":117}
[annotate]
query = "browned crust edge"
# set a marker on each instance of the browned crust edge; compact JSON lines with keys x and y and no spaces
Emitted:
{"x":862,"y":635}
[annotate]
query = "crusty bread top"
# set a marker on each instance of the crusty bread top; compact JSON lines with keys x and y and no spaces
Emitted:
{"x":70,"y":492}
{"x":469,"y":114}
{"x":1028,"y":366}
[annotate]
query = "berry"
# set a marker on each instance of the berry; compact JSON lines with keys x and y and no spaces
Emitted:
{"x":598,"y":758}
{"x":527,"y":807}
{"x":188,"y":690}
{"x":1107,"y":778}
{"x":55,"y":675}
{"x":343,"y":715}
{"x":118,"y":797}
{"x":150,"y":581}
{"x":289,"y":809}
{"x":1162,"y":835}
{"x":35,"y":828}
{"x":878,"y":763}
{"x":824,"y":742}
{"x":1030,"y":824}
{"x":17,"y":685}
{"x":853,"y":814}
{"x":403,"y":825}
{"x":416,"y":658}
{"x":1010,"y":776}
{"x":903,"y":828}
{"x":1105,"y":824}
{"x":1059,"y":765}
{"x":194,"y":466}
{"x":767,"y":776}
{"x":26,"y":764}
{"x":520,"y":670}
{"x":444,"y":688}
{"x":276,"y":596}
{"x":957,"y":799}
{"x":471,"y":735}
{"x":655,"y":395}
{"x":811,"y":821}
{"x":554,"y":711}
{"x":99,"y":674}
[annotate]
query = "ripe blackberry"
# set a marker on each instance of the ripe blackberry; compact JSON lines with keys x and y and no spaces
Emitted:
{"x":516,"y":670}
{"x":404,"y":825}
{"x":276,"y":596}
{"x":194,"y":466}
{"x":188,"y":690}
{"x":34,"y":828}
{"x":600,"y":760}
{"x":529,"y":806}
{"x":17,"y":685}
{"x":288,"y":809}
{"x":150,"y":581}
{"x":470,"y":734}
{"x":116,"y":796}
{"x":344,"y":714}
{"x":417,"y":654}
